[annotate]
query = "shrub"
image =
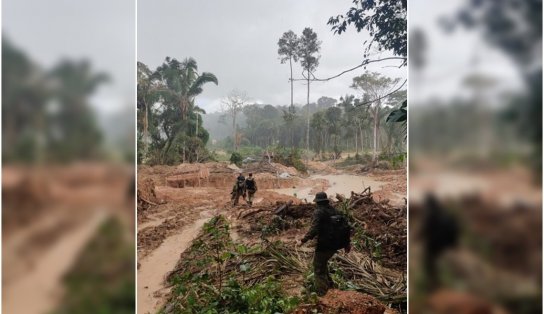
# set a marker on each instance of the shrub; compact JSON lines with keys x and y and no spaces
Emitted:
{"x":200,"y":288}
{"x":290,"y":157}
{"x":236,"y":158}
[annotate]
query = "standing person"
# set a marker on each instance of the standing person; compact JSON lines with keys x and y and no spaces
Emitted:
{"x":333,"y":233}
{"x":440,"y":232}
{"x":251,"y":188}
{"x":239,"y":189}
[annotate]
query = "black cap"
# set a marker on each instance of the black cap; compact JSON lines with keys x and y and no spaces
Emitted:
{"x":321,"y":197}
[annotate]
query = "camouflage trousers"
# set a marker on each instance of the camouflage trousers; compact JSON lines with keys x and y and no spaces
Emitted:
{"x":236,"y":195}
{"x":250,"y":196}
{"x":322,"y":277}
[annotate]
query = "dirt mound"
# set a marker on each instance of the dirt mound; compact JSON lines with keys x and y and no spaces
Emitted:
{"x":188,"y":175}
{"x":384,"y":228}
{"x":511,"y":234}
{"x":157,"y":173}
{"x":395,"y":188}
{"x":345,"y":302}
{"x":272,"y":167}
{"x":445,"y":301}
{"x":220,"y":175}
{"x":320,"y":167}
{"x":146,"y":194}
{"x":337,"y":301}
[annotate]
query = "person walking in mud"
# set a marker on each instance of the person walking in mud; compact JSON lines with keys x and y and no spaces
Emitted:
{"x":239,"y":189}
{"x":333,"y":233}
{"x":251,"y":188}
{"x":439,"y":232}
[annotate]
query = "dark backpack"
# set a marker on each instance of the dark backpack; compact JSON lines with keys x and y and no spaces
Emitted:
{"x":339,"y":232}
{"x":250,"y":185}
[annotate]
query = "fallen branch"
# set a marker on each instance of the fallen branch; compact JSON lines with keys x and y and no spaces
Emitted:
{"x":147,"y":201}
{"x":252,"y":213}
{"x":282,"y":208}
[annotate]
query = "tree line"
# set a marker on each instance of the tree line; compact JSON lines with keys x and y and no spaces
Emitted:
{"x":46,"y":113}
{"x":348,"y":124}
{"x":169,"y":122}
{"x":376,"y":90}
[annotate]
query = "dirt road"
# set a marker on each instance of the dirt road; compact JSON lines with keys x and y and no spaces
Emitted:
{"x":49,"y":214}
{"x":41,"y":282}
{"x":166,"y":230}
{"x":155,"y":266}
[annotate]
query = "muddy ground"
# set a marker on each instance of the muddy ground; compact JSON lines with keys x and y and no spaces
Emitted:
{"x":49,"y":215}
{"x":174,"y":207}
{"x":498,"y":257}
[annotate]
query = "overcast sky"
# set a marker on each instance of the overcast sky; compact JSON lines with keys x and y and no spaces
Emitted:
{"x":451,"y":57}
{"x":102,"y":31}
{"x":237,"y":41}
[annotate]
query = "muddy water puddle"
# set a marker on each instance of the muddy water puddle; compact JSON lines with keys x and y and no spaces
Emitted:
{"x":338,"y":183}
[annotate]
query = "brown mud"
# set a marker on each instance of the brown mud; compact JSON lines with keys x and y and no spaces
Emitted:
{"x":49,"y":214}
{"x":185,"y":193}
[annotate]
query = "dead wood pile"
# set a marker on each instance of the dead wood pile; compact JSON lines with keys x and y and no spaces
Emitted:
{"x":146,"y":194}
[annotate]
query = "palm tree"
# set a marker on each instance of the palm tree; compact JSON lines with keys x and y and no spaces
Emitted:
{"x":183,"y":82}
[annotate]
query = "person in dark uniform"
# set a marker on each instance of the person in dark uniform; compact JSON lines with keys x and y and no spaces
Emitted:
{"x":324,"y":249}
{"x":440,"y":232}
{"x":239,"y":189}
{"x":251,"y":188}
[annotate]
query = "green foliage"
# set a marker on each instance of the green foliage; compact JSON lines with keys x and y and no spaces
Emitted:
{"x":288,"y":46}
{"x":250,"y":151}
{"x":385,"y":20}
{"x":398,"y":115}
{"x":202,"y":288}
{"x":102,"y":280}
{"x":357,"y":159}
{"x":335,"y":127}
{"x":170,"y":124}
{"x":308,"y":50}
{"x":290,"y":157}
{"x":360,"y":240}
{"x":364,"y":243}
{"x":265,"y":297}
{"x":236,"y":158}
{"x":374,"y":83}
{"x":44,"y":122}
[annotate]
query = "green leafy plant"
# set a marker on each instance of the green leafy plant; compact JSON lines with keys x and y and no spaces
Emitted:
{"x":207,"y":282}
{"x":236,"y":158}
{"x":289,"y":157}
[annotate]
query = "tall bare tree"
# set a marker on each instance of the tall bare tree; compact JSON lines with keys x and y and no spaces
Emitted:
{"x":148,"y":87}
{"x":377,"y":88}
{"x":288,"y":46}
{"x":308,"y":53}
{"x":233,"y":104}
